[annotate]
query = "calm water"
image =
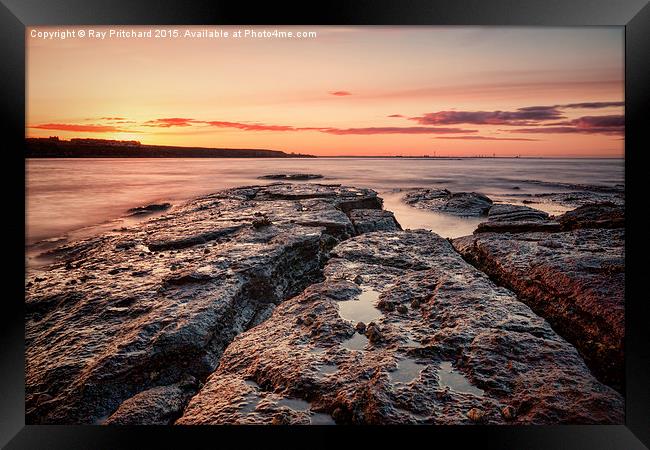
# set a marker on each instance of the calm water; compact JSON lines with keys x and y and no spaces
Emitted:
{"x":75,"y":197}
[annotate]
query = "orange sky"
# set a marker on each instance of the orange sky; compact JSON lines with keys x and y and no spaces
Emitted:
{"x":458,"y":91}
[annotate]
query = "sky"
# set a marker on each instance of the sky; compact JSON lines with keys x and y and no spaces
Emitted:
{"x":385,"y":91}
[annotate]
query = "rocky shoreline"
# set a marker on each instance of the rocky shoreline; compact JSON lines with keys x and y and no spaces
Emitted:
{"x":308,"y":304}
{"x":571,"y":271}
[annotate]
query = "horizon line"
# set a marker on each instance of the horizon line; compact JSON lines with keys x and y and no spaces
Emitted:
{"x":300,"y":154}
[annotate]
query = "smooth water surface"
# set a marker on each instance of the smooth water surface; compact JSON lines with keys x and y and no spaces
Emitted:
{"x":65,"y":196}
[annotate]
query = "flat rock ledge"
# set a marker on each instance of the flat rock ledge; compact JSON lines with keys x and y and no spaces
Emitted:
{"x":464,"y":204}
{"x":571,"y":273}
{"x":517,"y":219}
{"x":576,"y":199}
{"x":125,"y":326}
{"x":149,"y":209}
{"x":291,"y":176}
{"x":402,"y":331}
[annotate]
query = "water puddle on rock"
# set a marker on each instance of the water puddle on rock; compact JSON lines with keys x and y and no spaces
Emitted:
{"x":327,"y":369}
{"x":295,"y":403}
{"x":356,"y":342}
{"x":249,"y":403}
{"x":407,"y":371}
{"x":455,"y":380}
{"x":321,"y":419}
{"x":362,"y":308}
{"x":315,"y":418}
{"x":251,"y":399}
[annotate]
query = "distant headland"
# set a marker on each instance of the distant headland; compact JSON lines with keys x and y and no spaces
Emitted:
{"x":53,"y":147}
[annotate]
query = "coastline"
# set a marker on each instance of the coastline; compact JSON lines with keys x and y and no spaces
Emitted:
{"x":277,"y":260}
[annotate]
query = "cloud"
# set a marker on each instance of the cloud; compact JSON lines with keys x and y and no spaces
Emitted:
{"x":485,"y":138}
{"x":614,"y":121}
{"x":592,"y":105}
{"x":80,"y":128}
{"x":111,"y":120}
{"x":339,"y":131}
{"x":170,"y":122}
{"x":395,"y":130}
{"x":526,"y":116}
{"x":612,"y":125}
{"x":340,"y":93}
{"x":522,"y":116}
{"x":395,"y":115}
{"x":254,"y":127}
{"x":185,"y":122}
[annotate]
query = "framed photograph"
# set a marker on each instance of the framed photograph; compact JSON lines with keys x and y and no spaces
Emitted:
{"x":260,"y":221}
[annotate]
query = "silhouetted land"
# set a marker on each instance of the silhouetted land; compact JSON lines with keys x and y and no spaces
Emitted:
{"x":100,"y":148}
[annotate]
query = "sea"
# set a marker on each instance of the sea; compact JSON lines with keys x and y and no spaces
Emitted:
{"x":69,"y":199}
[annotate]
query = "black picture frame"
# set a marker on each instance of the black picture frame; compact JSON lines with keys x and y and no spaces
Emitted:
{"x":16,"y":15}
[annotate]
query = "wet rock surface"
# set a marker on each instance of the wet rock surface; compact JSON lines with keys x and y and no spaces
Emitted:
{"x":573,"y":277}
{"x":118,"y":321}
{"x":439,"y":344}
{"x":575,"y":199}
{"x":517,"y":218}
{"x":160,"y":405}
{"x":580,"y":187}
{"x":598,"y":215}
{"x":365,"y":220}
{"x":291,"y":176}
{"x":149,"y":209}
{"x":467,"y":204}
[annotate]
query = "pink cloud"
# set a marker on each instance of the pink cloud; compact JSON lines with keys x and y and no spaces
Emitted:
{"x":592,"y":105}
{"x":526,"y":116}
{"x":340,"y":93}
{"x":485,"y":138}
{"x":395,"y":130}
{"x":80,"y":128}
{"x":339,"y":131}
{"x":252,"y":127}
{"x":612,"y":124}
{"x":522,"y":116}
{"x":170,"y":122}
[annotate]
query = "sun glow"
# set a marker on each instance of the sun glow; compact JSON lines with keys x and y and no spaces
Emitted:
{"x":353,"y":91}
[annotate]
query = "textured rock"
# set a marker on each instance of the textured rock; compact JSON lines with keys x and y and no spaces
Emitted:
{"x":135,"y":311}
{"x":515,"y":213}
{"x":516,"y":219}
{"x":159,"y":405}
{"x":291,"y":176}
{"x":575,"y":279}
{"x":441,"y":200}
{"x":465,"y":351}
{"x":600,"y":215}
{"x":580,"y":187}
{"x":365,"y":220}
{"x":577,"y":198}
{"x":155,"y":207}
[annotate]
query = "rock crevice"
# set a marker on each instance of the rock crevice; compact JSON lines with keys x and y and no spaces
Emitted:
{"x":572,"y":275}
{"x":443,"y":345}
{"x":103,"y":338}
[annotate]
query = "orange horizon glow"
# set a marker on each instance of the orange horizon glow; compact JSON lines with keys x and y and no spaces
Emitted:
{"x":381,"y":91}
